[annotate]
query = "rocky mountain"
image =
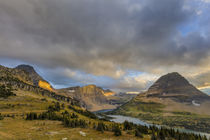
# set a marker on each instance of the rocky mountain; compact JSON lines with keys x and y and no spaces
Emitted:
{"x":175,"y":87}
{"x":173,"y":91}
{"x":24,"y":78}
{"x":171,"y":101}
{"x":91,"y":97}
{"x":12,"y":73}
{"x":36,"y":79}
{"x":31,"y":73}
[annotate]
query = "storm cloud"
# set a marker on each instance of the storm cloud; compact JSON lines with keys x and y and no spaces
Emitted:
{"x":105,"y":39}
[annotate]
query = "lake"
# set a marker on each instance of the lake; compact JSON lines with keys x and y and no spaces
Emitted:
{"x":121,"y":119}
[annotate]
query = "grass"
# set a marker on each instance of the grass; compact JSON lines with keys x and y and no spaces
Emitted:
{"x":15,"y":127}
{"x":133,"y":108}
{"x":20,"y":129}
{"x":20,"y":104}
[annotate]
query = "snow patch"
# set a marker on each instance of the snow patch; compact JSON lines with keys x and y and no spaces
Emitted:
{"x":71,"y":91}
{"x":82,"y":133}
{"x":195,"y":104}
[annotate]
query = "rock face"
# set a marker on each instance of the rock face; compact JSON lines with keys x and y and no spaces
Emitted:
{"x":176,"y":87}
{"x":91,"y":97}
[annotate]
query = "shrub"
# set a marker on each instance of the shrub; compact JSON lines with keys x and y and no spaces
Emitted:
{"x":100,"y":127}
{"x":138,"y":133}
{"x":117,"y":131}
{"x":127,"y":125}
{"x":5,"y":91}
{"x":1,"y":117}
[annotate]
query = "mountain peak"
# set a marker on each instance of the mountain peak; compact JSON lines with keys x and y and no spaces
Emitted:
{"x":26,"y":68}
{"x":32,"y":73}
{"x":174,"y":75}
{"x":174,"y":85}
{"x":37,"y":79}
{"x":170,"y":80}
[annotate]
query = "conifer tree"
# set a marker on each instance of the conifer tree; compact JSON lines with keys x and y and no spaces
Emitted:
{"x":117,"y":131}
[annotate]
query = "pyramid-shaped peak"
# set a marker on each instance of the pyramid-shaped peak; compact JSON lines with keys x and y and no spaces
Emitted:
{"x":175,"y":74}
{"x":174,"y":78}
{"x":172,"y":74}
{"x":175,"y":86}
{"x":170,"y":81}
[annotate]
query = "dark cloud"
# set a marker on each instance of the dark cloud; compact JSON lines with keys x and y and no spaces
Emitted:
{"x":102,"y":36}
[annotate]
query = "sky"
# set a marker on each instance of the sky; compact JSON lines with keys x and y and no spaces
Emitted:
{"x":124,"y":45}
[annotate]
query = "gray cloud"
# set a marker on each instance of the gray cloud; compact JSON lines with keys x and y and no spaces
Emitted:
{"x":102,"y":36}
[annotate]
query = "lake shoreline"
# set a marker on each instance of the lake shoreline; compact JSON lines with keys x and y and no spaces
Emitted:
{"x":121,"y":119}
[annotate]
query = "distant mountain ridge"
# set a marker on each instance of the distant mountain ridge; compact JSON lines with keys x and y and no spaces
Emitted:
{"x":91,"y":97}
{"x":95,"y":98}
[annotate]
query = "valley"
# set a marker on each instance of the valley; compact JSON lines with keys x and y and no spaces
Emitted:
{"x":31,"y":111}
{"x":104,"y":70}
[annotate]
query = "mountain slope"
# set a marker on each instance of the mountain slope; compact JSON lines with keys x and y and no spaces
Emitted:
{"x":35,"y":77}
{"x":91,"y":97}
{"x":20,"y":79}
